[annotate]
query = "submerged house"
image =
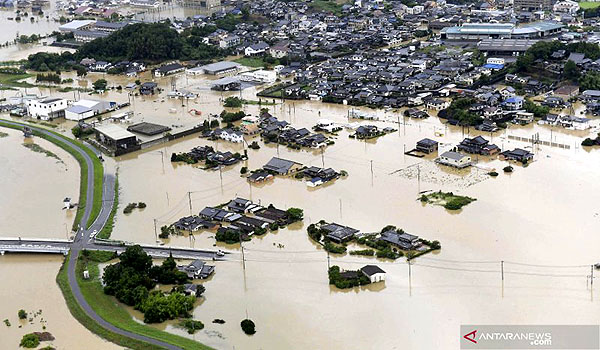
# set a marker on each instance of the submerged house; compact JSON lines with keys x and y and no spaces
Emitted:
{"x":281,"y":166}
{"x":197,"y":269}
{"x":427,"y":146}
{"x":339,"y":233}
{"x":401,"y":239}
{"x":517,"y":154}
{"x":478,"y":145}
{"x":454,"y":159}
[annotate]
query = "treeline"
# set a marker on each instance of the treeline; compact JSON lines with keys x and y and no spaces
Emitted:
{"x":544,"y":49}
{"x":133,"y":279}
{"x":50,"y":77}
{"x":148,"y":42}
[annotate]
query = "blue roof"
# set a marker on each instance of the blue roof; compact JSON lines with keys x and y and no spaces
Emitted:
{"x":493,"y":66}
{"x":514,"y":99}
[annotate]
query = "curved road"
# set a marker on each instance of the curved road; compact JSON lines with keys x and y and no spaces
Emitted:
{"x":83,"y":235}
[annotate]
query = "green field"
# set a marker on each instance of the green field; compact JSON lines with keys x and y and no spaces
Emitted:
{"x":9,"y":81}
{"x":589,"y":4}
{"x":252,"y":62}
{"x":327,"y":6}
{"x":110,"y":310}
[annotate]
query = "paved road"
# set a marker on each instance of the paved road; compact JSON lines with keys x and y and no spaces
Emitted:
{"x":83,"y":235}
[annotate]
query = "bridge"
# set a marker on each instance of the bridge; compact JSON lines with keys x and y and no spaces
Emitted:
{"x":61,"y":246}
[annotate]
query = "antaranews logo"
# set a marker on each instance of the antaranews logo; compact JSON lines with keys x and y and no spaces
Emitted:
{"x":529,"y":337}
{"x":471,"y":336}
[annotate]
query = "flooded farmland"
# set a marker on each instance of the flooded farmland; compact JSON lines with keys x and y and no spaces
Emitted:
{"x":541,"y":220}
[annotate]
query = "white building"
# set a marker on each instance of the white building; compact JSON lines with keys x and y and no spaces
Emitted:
{"x":566,"y":6}
{"x":374,"y":273}
{"x":260,"y":76}
{"x":84,"y":109}
{"x":231,"y":135}
{"x":495,"y":60}
{"x":77,"y":25}
{"x":47,"y":108}
{"x":455,"y":159}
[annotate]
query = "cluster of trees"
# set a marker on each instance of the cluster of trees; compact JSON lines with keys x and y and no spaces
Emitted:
{"x":60,"y":37}
{"x":149,"y":42}
{"x":336,"y":278}
{"x":165,"y":231}
{"x":230,"y":117}
{"x":459,"y":110}
{"x":589,"y":81}
{"x":100,"y":85}
{"x":544,"y":49}
{"x":131,"y":280}
{"x":591,"y":142}
{"x":233,"y":102}
{"x":78,"y":131}
{"x":537,"y":110}
{"x":230,"y":236}
{"x":24,"y":39}
{"x":50,"y":77}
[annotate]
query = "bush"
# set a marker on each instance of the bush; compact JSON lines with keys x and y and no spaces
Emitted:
{"x":30,"y":340}
{"x":588,"y":142}
{"x":141,"y":205}
{"x":22,"y":314}
{"x":243,"y":170}
{"x":192,"y":326}
{"x":334,"y":248}
{"x":274,"y":226}
{"x":364,"y":252}
{"x":254,"y":145}
{"x":295,"y":214}
{"x":493,"y":173}
{"x":218,"y":321}
{"x":508,"y":169}
{"x":129,"y":208}
{"x":248,"y":326}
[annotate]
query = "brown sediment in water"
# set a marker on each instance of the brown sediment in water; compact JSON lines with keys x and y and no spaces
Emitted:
{"x":543,"y":214}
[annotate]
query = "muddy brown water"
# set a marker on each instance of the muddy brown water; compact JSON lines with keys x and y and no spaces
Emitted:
{"x":543,"y":214}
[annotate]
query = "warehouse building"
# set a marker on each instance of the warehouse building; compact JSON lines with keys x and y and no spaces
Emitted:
{"x":480,"y":31}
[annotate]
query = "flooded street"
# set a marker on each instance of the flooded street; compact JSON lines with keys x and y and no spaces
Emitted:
{"x":541,"y":220}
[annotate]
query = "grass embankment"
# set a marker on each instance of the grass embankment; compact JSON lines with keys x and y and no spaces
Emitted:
{"x":80,"y":315}
{"x":252,"y":62}
{"x":110,"y":310}
{"x":448,"y":200}
{"x":9,"y":81}
{"x":588,"y":4}
{"x":108,"y":227}
{"x":98,"y":173}
{"x":326,"y":6}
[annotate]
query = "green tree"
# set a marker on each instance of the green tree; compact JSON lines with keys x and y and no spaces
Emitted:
{"x":248,"y":326}
{"x":100,"y":84}
{"x":22,"y":314}
{"x":570,"y":71}
{"x":30,"y":340}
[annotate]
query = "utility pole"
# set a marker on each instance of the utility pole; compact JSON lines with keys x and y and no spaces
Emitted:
{"x":155,"y":233}
{"x":328,"y":261}
{"x":409,"y":270}
{"x":243,"y":255}
{"x":419,"y":178}
{"x":502,"y":269}
{"x":190,"y":201}
{"x":592,"y":275}
{"x":322,"y":157}
{"x":340,"y":208}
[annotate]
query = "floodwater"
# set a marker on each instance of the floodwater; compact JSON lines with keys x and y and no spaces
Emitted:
{"x":30,"y":285}
{"x":33,"y":187}
{"x":544,"y":216}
